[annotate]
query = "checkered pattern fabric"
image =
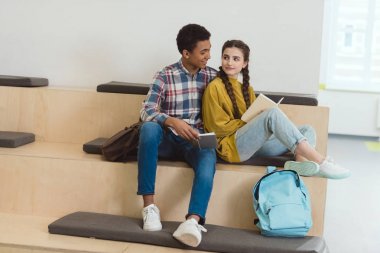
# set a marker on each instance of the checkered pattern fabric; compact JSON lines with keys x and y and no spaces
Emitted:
{"x":177,"y":93}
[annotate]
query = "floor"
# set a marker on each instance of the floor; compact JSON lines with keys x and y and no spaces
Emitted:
{"x":352,"y":221}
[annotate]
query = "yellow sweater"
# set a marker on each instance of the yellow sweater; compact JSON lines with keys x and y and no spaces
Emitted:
{"x":218,"y":116}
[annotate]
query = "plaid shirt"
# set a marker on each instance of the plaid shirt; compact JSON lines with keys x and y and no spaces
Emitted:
{"x":176,"y":93}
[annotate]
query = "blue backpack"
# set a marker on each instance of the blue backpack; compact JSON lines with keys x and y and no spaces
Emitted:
{"x":282,"y":204}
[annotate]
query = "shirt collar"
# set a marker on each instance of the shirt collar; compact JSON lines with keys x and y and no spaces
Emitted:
{"x":185,"y":70}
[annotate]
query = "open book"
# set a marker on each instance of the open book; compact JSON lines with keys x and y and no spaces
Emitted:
{"x":260,"y":104}
{"x":206,"y":140}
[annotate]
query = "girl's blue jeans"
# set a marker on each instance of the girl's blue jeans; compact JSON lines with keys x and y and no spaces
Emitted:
{"x":156,"y":142}
{"x":271,"y":133}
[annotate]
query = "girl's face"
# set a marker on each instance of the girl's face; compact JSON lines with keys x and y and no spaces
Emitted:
{"x":233,"y":61}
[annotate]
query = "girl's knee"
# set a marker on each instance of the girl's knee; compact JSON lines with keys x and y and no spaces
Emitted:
{"x":273,"y":113}
{"x":273,"y":110}
{"x":310,"y":134}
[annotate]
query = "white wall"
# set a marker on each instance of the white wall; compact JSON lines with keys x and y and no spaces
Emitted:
{"x":83,"y":43}
{"x":352,"y":112}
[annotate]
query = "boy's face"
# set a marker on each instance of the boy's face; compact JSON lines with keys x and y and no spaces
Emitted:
{"x":197,"y":58}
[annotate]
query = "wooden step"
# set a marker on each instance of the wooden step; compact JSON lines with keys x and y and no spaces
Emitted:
{"x":54,"y":179}
{"x":62,"y":115}
{"x":29,"y":234}
{"x":78,"y":116}
{"x":53,"y":176}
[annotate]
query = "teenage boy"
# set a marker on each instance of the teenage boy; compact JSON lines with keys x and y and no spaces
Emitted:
{"x":172,"y":120}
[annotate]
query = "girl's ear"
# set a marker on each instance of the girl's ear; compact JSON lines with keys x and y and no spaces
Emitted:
{"x":245,"y":64}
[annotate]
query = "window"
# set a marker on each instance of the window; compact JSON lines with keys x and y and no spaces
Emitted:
{"x":351,"y":51}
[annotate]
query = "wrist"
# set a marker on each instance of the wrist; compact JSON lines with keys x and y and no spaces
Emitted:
{"x":169,"y":122}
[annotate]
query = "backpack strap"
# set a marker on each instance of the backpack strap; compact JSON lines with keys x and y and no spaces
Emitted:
{"x":298,"y":180}
{"x":257,"y":187}
{"x":270,"y":169}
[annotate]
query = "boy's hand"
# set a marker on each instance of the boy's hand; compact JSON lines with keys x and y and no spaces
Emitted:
{"x":182,"y":128}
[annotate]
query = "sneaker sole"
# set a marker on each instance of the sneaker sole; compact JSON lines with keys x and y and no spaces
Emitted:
{"x":339,"y":176}
{"x":187,"y":239}
{"x":306,"y":168}
{"x":152,"y":228}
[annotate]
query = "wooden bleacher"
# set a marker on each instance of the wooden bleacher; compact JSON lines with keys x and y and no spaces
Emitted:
{"x":52,"y":177}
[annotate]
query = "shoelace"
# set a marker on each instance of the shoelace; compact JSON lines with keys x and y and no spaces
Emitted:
{"x":149,"y":212}
{"x":201,"y":228}
{"x":329,"y":159}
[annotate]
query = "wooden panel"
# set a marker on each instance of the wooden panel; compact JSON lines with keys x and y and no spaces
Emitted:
{"x":45,"y":185}
{"x":54,"y":177}
{"x":78,"y":116}
{"x":59,"y":115}
{"x":316,"y":116}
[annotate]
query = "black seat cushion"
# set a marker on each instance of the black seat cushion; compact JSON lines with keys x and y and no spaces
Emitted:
{"x":94,"y":147}
{"x":217,"y":239}
{"x":23,"y":81}
{"x":142,"y":89}
{"x":277,"y":161}
{"x":15,"y":139}
{"x":291,"y":98}
{"x":121,"y":87}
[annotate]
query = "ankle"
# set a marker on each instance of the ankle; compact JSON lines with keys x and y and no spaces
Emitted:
{"x":322,"y":160}
{"x":326,"y":159}
{"x":305,"y":151}
{"x":148,"y":200}
{"x":195,"y":217}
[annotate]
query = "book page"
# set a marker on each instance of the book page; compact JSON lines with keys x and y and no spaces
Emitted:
{"x":174,"y":131}
{"x":260,"y":104}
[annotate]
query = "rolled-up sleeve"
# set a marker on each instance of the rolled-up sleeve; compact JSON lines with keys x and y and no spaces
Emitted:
{"x":151,"y":107}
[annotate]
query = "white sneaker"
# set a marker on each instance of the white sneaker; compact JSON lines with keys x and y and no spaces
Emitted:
{"x":189,"y":233}
{"x":151,"y":218}
{"x":306,"y":168}
{"x":329,"y":169}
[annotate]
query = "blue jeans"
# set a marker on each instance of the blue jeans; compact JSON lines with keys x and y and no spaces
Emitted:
{"x":156,"y":142}
{"x":271,"y":133}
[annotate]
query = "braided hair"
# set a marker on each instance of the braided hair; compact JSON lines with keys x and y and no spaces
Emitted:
{"x":245,"y":71}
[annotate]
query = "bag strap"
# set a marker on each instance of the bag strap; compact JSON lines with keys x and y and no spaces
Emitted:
{"x":270,"y":169}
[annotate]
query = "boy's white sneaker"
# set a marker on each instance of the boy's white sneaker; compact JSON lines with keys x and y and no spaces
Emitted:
{"x":329,"y":169}
{"x":151,"y":218}
{"x":306,"y":168}
{"x":189,"y":233}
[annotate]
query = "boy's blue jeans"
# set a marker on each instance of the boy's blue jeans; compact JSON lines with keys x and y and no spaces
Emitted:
{"x":156,"y":142}
{"x":271,"y":133}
